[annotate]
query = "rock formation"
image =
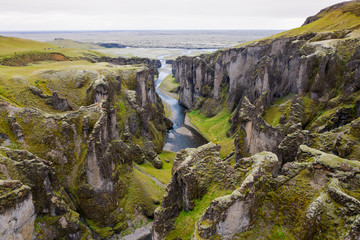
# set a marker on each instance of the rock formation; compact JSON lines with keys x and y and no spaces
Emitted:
{"x":293,"y":100}
{"x":74,"y":150}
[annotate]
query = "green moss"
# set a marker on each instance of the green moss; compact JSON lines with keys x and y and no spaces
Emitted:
{"x":185,"y":222}
{"x":312,"y":110}
{"x":169,"y":84}
{"x":141,"y":195}
{"x":325,"y":118}
{"x":163,"y":174}
{"x":280,"y":107}
{"x":285,"y":206}
{"x":5,"y":127}
{"x":215,"y":129}
{"x":335,"y":162}
{"x":157,"y":137}
{"x":103,"y":232}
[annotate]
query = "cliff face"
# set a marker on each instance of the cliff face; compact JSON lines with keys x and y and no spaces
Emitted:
{"x":293,"y":105}
{"x":78,"y":144}
{"x":313,"y":66}
{"x":313,"y":197}
{"x":152,"y":63}
{"x":17,"y":214}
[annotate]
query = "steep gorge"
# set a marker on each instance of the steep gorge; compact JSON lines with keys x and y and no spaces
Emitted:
{"x":293,"y":106}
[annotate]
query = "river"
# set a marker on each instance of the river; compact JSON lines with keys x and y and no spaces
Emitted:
{"x":182,"y":135}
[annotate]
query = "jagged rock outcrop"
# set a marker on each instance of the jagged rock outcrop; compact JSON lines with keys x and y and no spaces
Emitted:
{"x":152,"y":63}
{"x":313,"y":197}
{"x":311,"y":69}
{"x":297,"y":95}
{"x":17,"y":212}
{"x":194,"y":171}
{"x":236,"y":213}
{"x":78,"y":163}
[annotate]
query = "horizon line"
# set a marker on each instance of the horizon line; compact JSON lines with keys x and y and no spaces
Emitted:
{"x":124,"y":30}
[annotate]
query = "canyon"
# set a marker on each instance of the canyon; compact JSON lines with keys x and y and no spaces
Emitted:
{"x":82,"y":138}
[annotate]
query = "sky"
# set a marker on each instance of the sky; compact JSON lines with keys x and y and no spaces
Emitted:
{"x":45,"y":15}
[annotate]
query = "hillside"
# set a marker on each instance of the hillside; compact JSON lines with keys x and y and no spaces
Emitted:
{"x":71,"y":131}
{"x":335,"y":22}
{"x":17,"y":51}
{"x":290,"y":103}
{"x":10,"y":45}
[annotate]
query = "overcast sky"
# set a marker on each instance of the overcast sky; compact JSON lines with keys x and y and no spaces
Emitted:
{"x":28,"y":15}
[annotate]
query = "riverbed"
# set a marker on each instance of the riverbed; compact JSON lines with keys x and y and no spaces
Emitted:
{"x":182,"y":135}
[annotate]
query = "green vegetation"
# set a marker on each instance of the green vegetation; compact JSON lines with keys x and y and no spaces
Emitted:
{"x":10,"y":45}
{"x":285,"y":206}
{"x":68,"y":43}
{"x":164,"y":174}
{"x":148,"y":184}
{"x":103,"y":232}
{"x":346,"y":17}
{"x":185,"y":222}
{"x":279,"y":108}
{"x":169,"y":84}
{"x":13,"y":47}
{"x":215,"y":129}
{"x":141,"y":194}
{"x":52,"y":76}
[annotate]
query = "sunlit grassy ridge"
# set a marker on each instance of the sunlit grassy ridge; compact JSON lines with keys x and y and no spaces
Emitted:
{"x":333,"y":19}
{"x":10,"y":45}
{"x":344,"y":16}
{"x":15,"y":81}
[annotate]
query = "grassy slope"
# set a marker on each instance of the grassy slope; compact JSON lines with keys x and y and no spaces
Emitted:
{"x":335,"y":20}
{"x":9,"y":46}
{"x":280,"y":106}
{"x":169,"y":84}
{"x":68,"y":43}
{"x":15,"y":81}
{"x":185,"y":222}
{"x":215,"y":129}
{"x":164,"y":174}
{"x":338,"y":19}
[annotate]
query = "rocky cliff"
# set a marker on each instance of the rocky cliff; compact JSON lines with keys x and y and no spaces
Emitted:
{"x":271,"y":84}
{"x":72,"y":136}
{"x":292,"y":101}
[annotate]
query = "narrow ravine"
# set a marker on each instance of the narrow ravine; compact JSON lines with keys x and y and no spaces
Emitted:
{"x":181,"y":136}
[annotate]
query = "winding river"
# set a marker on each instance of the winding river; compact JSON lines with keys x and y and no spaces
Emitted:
{"x":182,"y":135}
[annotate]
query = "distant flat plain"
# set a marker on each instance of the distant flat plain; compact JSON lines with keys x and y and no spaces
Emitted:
{"x":154,"y":38}
{"x":151,"y":43}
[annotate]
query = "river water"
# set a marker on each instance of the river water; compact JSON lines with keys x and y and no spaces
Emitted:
{"x":182,"y":135}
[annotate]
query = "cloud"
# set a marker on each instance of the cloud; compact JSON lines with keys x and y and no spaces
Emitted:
{"x":156,"y":14}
